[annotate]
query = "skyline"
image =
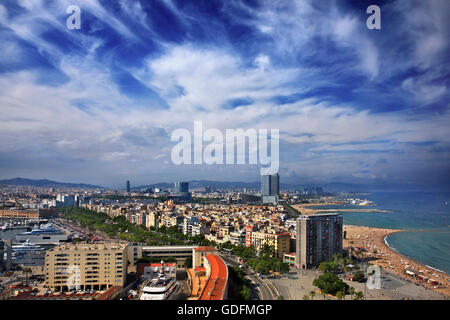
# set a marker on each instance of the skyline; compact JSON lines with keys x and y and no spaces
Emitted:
{"x":98,"y":105}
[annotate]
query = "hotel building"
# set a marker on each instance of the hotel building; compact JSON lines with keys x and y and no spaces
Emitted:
{"x":319,"y":237}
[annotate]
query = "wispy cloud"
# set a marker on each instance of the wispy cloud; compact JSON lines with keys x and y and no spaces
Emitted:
{"x":100,"y":103}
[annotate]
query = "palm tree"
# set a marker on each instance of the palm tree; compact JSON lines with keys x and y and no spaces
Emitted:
{"x":340,"y":295}
{"x":312,"y":293}
{"x":305,"y":297}
{"x":351,"y":290}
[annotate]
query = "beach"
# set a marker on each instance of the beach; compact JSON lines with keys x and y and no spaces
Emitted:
{"x":373,"y":240}
{"x":376,"y":248}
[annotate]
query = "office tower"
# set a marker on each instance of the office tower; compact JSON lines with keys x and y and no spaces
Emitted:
{"x":275,"y":184}
{"x":270,"y":188}
{"x":128,"y":186}
{"x":270,"y":185}
{"x":181,"y":187}
{"x":318,"y":238}
{"x":99,"y":266}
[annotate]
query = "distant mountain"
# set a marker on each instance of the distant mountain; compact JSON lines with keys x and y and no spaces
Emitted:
{"x":46,"y":183}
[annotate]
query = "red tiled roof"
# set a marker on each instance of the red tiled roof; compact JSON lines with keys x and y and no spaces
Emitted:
{"x":218,"y":280}
{"x":172,"y":264}
{"x":205,"y":249}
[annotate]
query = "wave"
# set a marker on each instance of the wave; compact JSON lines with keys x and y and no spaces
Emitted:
{"x":434,"y":269}
{"x":389,"y":246}
{"x":406,"y":256}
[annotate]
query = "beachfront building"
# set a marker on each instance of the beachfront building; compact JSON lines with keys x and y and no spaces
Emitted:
{"x":318,"y":238}
{"x":87,"y":266}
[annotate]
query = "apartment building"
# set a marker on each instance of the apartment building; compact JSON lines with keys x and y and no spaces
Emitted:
{"x":280,"y":242}
{"x":319,"y":237}
{"x":86,"y":266}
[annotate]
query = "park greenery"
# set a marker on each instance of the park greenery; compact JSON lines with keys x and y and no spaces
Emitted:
{"x":329,"y":283}
{"x":338,"y":264}
{"x":118,"y":227}
{"x":203,"y":200}
{"x":263,"y":261}
{"x":243,"y":292}
{"x":291,"y":212}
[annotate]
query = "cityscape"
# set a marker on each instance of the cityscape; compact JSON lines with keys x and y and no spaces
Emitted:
{"x":204,"y":244}
{"x":258,"y":154}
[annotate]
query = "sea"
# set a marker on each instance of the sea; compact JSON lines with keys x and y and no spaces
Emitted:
{"x":410,"y":210}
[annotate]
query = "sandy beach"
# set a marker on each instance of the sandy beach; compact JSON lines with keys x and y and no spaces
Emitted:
{"x":303,"y":208}
{"x":373,"y":241}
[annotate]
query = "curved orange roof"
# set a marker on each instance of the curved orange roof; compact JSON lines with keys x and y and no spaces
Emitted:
{"x":218,"y":281}
{"x":205,"y":249}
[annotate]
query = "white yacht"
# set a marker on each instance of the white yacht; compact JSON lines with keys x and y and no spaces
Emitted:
{"x":27,"y":247}
{"x":161,"y":284}
{"x":47,"y":234}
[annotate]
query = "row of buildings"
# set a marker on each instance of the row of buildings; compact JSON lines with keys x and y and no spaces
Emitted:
{"x":100,"y":266}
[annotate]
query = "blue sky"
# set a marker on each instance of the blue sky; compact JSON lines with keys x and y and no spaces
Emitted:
{"x":99,"y":104}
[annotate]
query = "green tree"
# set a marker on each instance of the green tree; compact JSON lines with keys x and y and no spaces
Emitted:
{"x":351,"y":291}
{"x":245,"y":293}
{"x":188,"y":262}
{"x":358,"y":276}
{"x":340,"y":295}
{"x":330,"y":283}
{"x":359,"y":295}
{"x":266,"y":251}
{"x":305,"y":297}
{"x":312,"y":294}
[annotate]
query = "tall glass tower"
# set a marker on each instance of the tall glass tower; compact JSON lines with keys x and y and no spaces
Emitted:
{"x":128,"y":186}
{"x":181,"y":187}
{"x":270,"y":185}
{"x":270,"y":188}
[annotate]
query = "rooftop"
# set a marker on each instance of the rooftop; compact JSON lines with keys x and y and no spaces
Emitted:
{"x":217,"y":283}
{"x":205,"y":249}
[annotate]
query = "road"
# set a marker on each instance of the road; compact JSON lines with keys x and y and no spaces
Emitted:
{"x":258,"y":286}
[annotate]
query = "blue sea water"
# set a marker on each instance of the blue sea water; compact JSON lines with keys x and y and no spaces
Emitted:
{"x":428,"y":211}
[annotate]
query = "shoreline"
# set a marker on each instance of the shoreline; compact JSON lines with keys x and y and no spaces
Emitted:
{"x":374,"y":241}
{"x":303,"y":208}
